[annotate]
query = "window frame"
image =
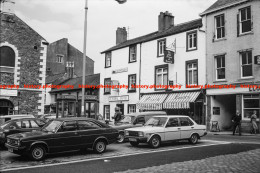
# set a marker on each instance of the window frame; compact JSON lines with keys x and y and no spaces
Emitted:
{"x":223,"y":33}
{"x":241,"y":65}
{"x":107,"y":56}
{"x":218,"y":68}
{"x":128,"y":108}
{"x":155,"y":76}
{"x":104,"y":112}
{"x":161,"y":54}
{"x":188,"y":43}
{"x":130,"y":89}
{"x":241,"y":22}
{"x":243,"y":106}
{"x":60,"y":58}
{"x":9,"y":69}
{"x":186,"y":71}
{"x":135,"y":53}
{"x":105,"y":89}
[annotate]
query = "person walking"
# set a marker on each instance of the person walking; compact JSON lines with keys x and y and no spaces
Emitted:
{"x":118,"y":115}
{"x":236,"y":119}
{"x":253,"y":121}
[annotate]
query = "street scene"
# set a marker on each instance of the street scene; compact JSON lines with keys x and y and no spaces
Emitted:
{"x":130,"y":86}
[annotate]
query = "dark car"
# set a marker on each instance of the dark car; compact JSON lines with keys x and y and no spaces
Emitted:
{"x":137,"y":119}
{"x":19,"y":126}
{"x":63,"y":134}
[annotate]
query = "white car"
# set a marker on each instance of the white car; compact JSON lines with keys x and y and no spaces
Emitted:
{"x":166,"y":128}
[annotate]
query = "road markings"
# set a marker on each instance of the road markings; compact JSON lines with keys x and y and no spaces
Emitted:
{"x":118,"y":156}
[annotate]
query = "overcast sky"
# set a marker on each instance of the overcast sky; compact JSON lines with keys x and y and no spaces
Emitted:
{"x":57,"y":19}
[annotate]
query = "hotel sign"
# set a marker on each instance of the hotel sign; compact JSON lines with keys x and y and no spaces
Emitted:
{"x":118,"y":98}
{"x":7,"y":92}
{"x":121,"y":70}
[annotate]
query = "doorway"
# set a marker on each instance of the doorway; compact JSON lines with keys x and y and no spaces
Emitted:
{"x":121,"y":107}
{"x":6,"y":107}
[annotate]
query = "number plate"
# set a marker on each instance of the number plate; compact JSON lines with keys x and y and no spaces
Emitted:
{"x":132,"y":139}
{"x":10,"y":150}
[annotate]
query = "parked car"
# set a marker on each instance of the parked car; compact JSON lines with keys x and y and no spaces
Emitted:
{"x":137,"y":119}
{"x":4,"y":118}
{"x":19,"y":126}
{"x":63,"y":134}
{"x":160,"y":129}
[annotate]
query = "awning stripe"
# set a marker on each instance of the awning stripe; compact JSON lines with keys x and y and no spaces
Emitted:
{"x":151,"y":102}
{"x":180,"y":100}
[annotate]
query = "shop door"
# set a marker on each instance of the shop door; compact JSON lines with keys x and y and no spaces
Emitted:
{"x":121,"y":107}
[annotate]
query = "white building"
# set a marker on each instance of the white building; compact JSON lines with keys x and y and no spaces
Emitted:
{"x":140,"y":61}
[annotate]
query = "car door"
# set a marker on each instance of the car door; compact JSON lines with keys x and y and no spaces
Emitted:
{"x":172,"y":129}
{"x":89,"y":132}
{"x":186,"y":127}
{"x":24,"y":126}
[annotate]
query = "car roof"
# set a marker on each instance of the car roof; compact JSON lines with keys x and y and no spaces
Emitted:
{"x":73,"y":118}
{"x":16,"y":116}
{"x":147,"y":113}
{"x":172,"y":116}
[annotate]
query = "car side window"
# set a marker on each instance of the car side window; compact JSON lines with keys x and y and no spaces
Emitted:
{"x":68,"y":126}
{"x":185,"y":121}
{"x":86,"y":125}
{"x":140,"y":120}
{"x":40,"y":122}
{"x":25,"y":124}
{"x":34,"y":124}
{"x":173,"y":122}
{"x":15,"y":125}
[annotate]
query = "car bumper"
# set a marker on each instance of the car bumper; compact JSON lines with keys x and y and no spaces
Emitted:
{"x":15,"y":149}
{"x":137,"y":139}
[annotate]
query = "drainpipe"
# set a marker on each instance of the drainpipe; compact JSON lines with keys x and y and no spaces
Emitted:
{"x":140,"y":68}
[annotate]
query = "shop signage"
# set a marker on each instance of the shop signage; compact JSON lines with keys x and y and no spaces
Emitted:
{"x":7,"y":92}
{"x":121,"y":70}
{"x":257,"y":59}
{"x":90,"y":97}
{"x":118,"y":98}
{"x":66,"y":97}
{"x":254,"y":89}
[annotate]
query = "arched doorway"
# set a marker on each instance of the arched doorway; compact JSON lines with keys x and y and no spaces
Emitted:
{"x":6,"y":107}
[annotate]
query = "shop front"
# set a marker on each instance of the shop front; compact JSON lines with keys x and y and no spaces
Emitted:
{"x":66,"y":106}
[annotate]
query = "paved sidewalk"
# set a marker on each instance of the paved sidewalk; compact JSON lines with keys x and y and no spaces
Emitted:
{"x":244,"y":162}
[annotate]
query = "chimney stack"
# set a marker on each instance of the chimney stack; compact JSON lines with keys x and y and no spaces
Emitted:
{"x":165,"y":21}
{"x":121,"y":35}
{"x":7,"y":6}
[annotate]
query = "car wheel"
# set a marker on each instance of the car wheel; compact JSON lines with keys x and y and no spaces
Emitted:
{"x":194,"y":139}
{"x":121,"y":138}
{"x":100,"y":146}
{"x":155,"y":142}
{"x":37,"y":152}
{"x":134,"y":144}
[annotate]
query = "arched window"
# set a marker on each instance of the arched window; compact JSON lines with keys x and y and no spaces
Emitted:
{"x":7,"y":58}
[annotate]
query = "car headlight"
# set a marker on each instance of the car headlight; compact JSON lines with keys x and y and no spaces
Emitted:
{"x":140,"y":134}
{"x":126,"y":133}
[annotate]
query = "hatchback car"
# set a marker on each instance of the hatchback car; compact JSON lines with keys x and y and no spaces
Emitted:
{"x":19,"y":126}
{"x":166,"y":128}
{"x":63,"y":134}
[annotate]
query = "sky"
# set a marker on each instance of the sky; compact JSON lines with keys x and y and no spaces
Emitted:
{"x":57,"y":19}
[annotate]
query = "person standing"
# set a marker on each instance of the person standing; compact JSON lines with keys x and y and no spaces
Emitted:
{"x":253,"y":121}
{"x":237,"y":122}
{"x":118,"y":115}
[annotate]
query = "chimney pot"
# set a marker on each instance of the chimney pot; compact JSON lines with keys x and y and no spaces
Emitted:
{"x":7,"y":6}
{"x":165,"y":21}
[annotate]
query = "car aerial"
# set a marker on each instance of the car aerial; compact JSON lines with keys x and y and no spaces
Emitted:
{"x":160,"y":129}
{"x":63,"y":134}
{"x":137,"y":119}
{"x":19,"y":126}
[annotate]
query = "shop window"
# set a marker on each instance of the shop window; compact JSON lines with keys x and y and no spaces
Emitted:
{"x":131,"y":108}
{"x":107,"y":111}
{"x":245,"y":22}
{"x":250,"y":103}
{"x":220,"y":26}
{"x":161,"y":45}
{"x":191,"y":41}
{"x":108,"y":59}
{"x":220,"y":67}
{"x":246,"y":64}
{"x":192,"y":72}
{"x":161,"y":75}
{"x":107,"y":86}
{"x":7,"y":59}
{"x":132,"y":53}
{"x":131,"y":83}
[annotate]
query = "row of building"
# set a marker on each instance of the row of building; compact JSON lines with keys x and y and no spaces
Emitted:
{"x":221,"y":48}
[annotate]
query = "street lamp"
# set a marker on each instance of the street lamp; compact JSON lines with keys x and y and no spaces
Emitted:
{"x":84,"y":56}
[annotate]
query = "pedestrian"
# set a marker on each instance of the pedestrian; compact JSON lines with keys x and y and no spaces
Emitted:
{"x":118,"y":115}
{"x":253,"y":121}
{"x":237,"y":122}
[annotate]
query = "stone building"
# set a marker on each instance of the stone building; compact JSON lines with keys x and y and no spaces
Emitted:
{"x":22,"y":64}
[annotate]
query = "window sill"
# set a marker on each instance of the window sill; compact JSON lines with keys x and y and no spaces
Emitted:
{"x":131,"y":91}
{"x":219,"y":81}
{"x":246,"y":78}
{"x":191,"y":49}
{"x":220,"y":39}
{"x":107,"y":93}
{"x":159,"y":56}
{"x":132,"y":62}
{"x":107,"y":67}
{"x":246,"y":33}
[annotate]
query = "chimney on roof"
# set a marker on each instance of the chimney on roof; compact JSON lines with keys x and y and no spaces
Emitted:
{"x":7,"y":6}
{"x":121,"y":35}
{"x":165,"y":21}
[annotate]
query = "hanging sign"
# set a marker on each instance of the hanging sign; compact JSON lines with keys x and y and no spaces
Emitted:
{"x":169,"y":56}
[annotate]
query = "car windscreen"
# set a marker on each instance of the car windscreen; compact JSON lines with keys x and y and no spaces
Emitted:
{"x":156,"y":121}
{"x":52,"y":126}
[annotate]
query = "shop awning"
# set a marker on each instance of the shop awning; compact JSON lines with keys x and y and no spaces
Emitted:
{"x":151,"y":102}
{"x":180,"y":100}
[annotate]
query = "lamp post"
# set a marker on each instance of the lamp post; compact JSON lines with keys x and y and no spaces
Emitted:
{"x":83,"y":112}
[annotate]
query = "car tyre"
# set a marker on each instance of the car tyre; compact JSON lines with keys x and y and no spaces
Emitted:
{"x":134,"y":144}
{"x":121,"y":138}
{"x":155,"y":142}
{"x":194,"y":139}
{"x":100,"y":146}
{"x":37,"y":152}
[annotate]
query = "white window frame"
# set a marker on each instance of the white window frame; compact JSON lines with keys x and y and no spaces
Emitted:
{"x":107,"y":90}
{"x":132,"y":53}
{"x":107,"y":112}
{"x":192,"y":37}
{"x":161,"y":47}
{"x":59,"y":58}
{"x":241,"y":65}
{"x":162,"y":73}
{"x":247,"y":19}
{"x":221,"y":67}
{"x":131,"y":108}
{"x":243,"y":107}
{"x":192,"y":69}
{"x":131,"y":80}
{"x":108,"y":58}
{"x":223,"y":32}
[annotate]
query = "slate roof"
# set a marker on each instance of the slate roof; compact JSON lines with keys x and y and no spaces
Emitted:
{"x":221,"y":4}
{"x":156,"y":35}
{"x":93,"y":79}
{"x":55,"y":79}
